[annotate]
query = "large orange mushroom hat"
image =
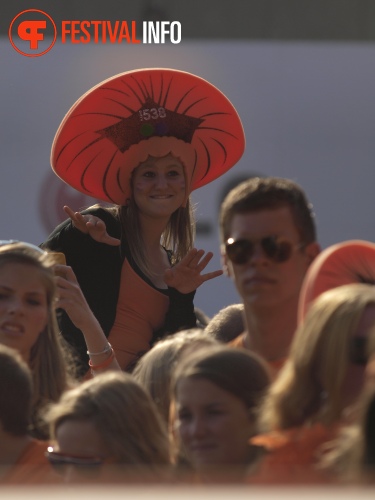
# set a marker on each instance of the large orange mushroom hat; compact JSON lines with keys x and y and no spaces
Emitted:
{"x":119,"y":123}
{"x":348,"y":262}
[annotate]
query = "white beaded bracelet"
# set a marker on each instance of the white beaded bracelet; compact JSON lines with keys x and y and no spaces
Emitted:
{"x":107,"y":348}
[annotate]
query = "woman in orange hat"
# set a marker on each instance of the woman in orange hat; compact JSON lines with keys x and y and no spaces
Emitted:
{"x":142,"y":140}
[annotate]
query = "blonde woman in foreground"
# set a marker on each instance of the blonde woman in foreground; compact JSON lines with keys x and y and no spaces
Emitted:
{"x":108,"y":429}
{"x":315,"y":393}
{"x":30,"y":293}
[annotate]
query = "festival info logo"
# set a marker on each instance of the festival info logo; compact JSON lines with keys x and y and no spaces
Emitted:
{"x":33,"y":32}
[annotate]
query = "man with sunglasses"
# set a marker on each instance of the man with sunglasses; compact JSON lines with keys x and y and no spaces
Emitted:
{"x":268,"y":242}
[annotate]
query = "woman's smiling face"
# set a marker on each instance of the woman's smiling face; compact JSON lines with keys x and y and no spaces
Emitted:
{"x":159,"y":186}
{"x":23,"y":306}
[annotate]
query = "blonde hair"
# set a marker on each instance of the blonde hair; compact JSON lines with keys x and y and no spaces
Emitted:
{"x":309,"y":386}
{"x":123,"y":414}
{"x":153,"y":371}
{"x":50,"y":362}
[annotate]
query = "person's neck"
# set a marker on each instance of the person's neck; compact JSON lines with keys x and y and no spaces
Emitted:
{"x":152,"y":229}
{"x":269,"y":331}
{"x":155,"y":256}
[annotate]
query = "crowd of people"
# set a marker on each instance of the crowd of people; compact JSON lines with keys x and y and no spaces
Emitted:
{"x":109,"y":372}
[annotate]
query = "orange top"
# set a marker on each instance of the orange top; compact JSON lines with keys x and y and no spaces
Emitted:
{"x":141,"y":310}
{"x":293,"y":455}
{"x":275,"y":364}
{"x":32,"y":467}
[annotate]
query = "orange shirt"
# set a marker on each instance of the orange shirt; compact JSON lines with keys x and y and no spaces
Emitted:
{"x":32,"y":467}
{"x":275,"y":365}
{"x":141,"y":310}
{"x":293,"y":455}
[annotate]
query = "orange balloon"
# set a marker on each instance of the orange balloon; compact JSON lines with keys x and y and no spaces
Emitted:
{"x":348,"y":262}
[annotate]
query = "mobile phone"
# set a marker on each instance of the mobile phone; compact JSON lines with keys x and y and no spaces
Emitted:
{"x":59,"y":258}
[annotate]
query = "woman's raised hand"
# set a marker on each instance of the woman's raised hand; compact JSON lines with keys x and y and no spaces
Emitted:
{"x":94,"y":226}
{"x":186,"y":275}
{"x":70,"y":297}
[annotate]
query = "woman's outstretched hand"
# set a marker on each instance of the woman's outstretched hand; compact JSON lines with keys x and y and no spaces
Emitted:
{"x":186,"y":275}
{"x":94,"y":226}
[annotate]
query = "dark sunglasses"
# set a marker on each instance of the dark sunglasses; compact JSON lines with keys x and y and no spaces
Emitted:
{"x":56,"y":458}
{"x":358,"y":350}
{"x":275,"y":248}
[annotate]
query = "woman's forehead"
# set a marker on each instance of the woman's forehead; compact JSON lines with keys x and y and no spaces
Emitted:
{"x":167,"y":160}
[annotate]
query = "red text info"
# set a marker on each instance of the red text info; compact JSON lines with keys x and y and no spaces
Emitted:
{"x":151,"y":32}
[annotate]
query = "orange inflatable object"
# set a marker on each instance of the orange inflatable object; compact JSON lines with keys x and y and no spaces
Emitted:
{"x":293,"y":455}
{"x":146,"y":112}
{"x":341,"y":264}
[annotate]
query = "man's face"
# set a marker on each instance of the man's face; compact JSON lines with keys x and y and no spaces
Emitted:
{"x":262,"y":282}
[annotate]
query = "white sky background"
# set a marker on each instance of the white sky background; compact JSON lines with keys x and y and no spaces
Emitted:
{"x":308,"y":111}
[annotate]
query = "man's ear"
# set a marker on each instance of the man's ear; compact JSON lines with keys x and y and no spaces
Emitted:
{"x":312,"y":250}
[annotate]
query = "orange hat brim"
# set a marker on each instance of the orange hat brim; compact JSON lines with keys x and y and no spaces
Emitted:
{"x":348,"y":262}
{"x":147,"y":112}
